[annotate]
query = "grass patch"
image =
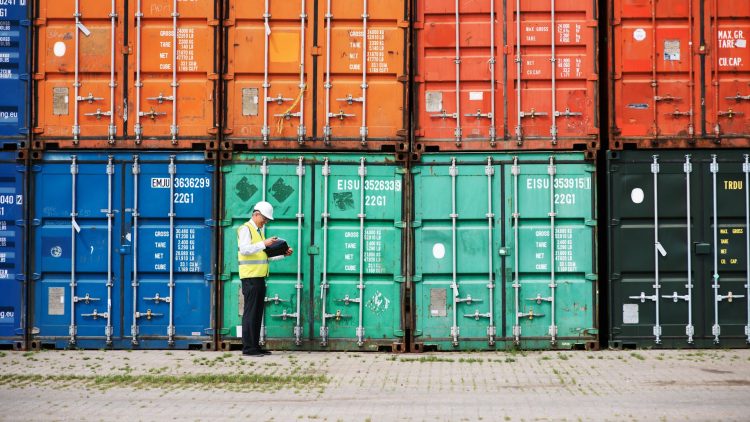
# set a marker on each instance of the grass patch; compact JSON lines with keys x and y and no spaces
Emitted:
{"x":423,"y":359}
{"x":471,"y":360}
{"x":157,"y":381}
{"x":638,"y":356}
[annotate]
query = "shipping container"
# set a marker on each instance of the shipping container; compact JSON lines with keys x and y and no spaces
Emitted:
{"x":301,"y":75}
{"x":678,"y":248}
{"x":123,"y":250}
{"x":14,"y":74}
{"x":503,"y":75}
{"x":680,"y":74}
{"x":505,"y":252}
{"x":342,"y":214}
{"x":12,"y":251}
{"x":127,"y":74}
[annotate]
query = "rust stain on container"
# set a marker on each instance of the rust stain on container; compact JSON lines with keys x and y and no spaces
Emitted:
{"x":356,"y":100}
{"x":681,"y":74}
{"x":495,"y":78}
{"x":167,"y":99}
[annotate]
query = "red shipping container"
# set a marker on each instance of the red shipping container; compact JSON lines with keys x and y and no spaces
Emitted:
{"x":523,"y":77}
{"x":681,"y":74}
{"x":126,"y":74}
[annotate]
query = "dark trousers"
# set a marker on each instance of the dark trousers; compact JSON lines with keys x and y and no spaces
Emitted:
{"x":254,"y":293}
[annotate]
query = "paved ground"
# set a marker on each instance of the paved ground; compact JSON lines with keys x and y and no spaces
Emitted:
{"x":206,"y":386}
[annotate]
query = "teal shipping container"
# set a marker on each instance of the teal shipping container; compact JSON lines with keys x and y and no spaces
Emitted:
{"x":504,"y":252}
{"x":342,"y":214}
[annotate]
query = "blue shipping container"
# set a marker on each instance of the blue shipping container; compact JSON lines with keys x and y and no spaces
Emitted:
{"x":12,"y":270}
{"x":123,"y":250}
{"x":14,"y":71}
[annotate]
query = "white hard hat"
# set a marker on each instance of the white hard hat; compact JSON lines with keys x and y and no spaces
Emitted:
{"x":265,"y":209}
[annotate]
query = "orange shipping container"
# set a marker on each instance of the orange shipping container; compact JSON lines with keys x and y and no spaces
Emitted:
{"x":126,"y":73}
{"x":681,"y":74}
{"x":300,"y":74}
{"x":519,"y":77}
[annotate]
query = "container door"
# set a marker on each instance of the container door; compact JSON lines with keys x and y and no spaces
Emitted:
{"x":174,"y":70}
{"x":287,"y":185}
{"x":76,"y":271}
{"x":551,"y":226}
{"x":656,"y":200}
{"x":79,"y":84}
{"x":726,"y":276}
{"x":169,"y":240}
{"x":656,"y":85}
{"x":357,"y":277}
{"x":269,"y":92}
{"x":729,"y":92}
{"x":12,"y":249}
{"x":554,"y":95}
{"x":14,"y":70}
{"x":362,"y":79}
{"x":460,"y":101}
{"x":457,"y":236}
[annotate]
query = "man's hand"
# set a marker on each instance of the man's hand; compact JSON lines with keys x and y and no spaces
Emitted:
{"x":288,"y":252}
{"x":268,"y":242}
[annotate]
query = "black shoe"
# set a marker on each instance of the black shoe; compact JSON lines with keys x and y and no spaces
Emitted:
{"x":258,"y":353}
{"x":265,"y":352}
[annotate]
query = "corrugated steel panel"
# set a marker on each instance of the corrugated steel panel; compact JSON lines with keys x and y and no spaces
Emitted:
{"x":14,"y":72}
{"x":301,"y":75}
{"x":12,"y":250}
{"x":117,"y":75}
{"x":681,"y":74}
{"x":485,"y":228}
{"x":492,"y":77}
{"x":314,"y":301}
{"x":678,"y":248}
{"x":123,"y":250}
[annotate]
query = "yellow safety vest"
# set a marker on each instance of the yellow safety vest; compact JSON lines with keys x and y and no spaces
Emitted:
{"x":255,"y":265}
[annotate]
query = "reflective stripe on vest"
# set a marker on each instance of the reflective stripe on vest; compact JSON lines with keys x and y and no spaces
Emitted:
{"x":253,"y":265}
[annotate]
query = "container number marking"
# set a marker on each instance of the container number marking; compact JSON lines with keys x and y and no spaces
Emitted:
{"x":181,"y":182}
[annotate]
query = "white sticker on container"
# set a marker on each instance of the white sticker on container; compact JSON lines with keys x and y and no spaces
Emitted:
{"x":476,"y":96}
{"x":741,"y":43}
{"x":438,"y":250}
{"x":238,"y":330}
{"x":630,"y":313}
{"x":636,"y":195}
{"x":195,"y":333}
{"x":671,"y":50}
{"x":59,"y":49}
{"x":639,"y":34}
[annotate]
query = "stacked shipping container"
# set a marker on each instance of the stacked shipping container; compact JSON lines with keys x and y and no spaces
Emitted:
{"x":14,"y":130}
{"x":455,"y":212}
{"x":123,"y":240}
{"x":678,"y":214}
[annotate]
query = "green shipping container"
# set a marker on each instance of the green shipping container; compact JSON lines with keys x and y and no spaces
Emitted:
{"x":678,"y":248}
{"x":485,"y":228}
{"x":343,"y":215}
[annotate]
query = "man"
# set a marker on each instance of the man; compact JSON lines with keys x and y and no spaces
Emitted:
{"x":253,"y":266}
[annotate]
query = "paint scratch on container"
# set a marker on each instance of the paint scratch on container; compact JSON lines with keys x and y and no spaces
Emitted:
{"x":378,"y":303}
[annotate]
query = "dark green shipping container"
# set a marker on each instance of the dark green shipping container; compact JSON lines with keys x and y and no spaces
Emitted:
{"x":678,"y":248}
{"x":343,"y":215}
{"x":504,"y":251}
